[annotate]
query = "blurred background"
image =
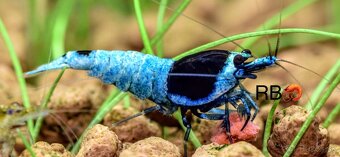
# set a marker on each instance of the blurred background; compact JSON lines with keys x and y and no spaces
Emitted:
{"x":111,"y":24}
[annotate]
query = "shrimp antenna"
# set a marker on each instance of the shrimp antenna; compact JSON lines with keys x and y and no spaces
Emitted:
{"x":294,"y":79}
{"x":269,"y":47}
{"x":300,"y":66}
{"x":266,"y":36}
{"x":77,"y":111}
{"x":205,"y":25}
{"x":145,"y":111}
{"x":279,"y":34}
{"x":64,"y":127}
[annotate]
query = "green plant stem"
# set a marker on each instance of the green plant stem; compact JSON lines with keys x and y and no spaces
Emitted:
{"x":274,"y":20}
{"x":105,"y":108}
{"x":142,"y":28}
{"x":26,"y":143}
{"x":192,"y":137}
{"x":33,"y":29}
{"x":311,"y":116}
{"x":64,"y":9}
{"x":161,"y":30}
{"x":268,"y":127}
{"x":169,"y":23}
{"x":335,"y":112}
{"x":83,"y":28}
{"x":292,"y":40}
{"x":165,"y":133}
{"x":46,"y":100}
{"x":160,"y":18}
{"x":254,"y":34}
{"x":18,"y":72}
{"x":322,"y":85}
{"x":127,"y":102}
{"x":336,"y":11}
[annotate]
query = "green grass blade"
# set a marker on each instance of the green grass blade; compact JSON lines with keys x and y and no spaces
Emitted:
{"x":82,"y":32}
{"x":160,"y":18}
{"x":159,"y":35}
{"x":46,"y":100}
{"x":254,"y":34}
{"x":165,"y":132}
{"x":142,"y":28}
{"x":26,"y":143}
{"x":268,"y":127}
{"x":62,"y":14}
{"x":105,"y":108}
{"x":274,"y":20}
{"x":192,"y":137}
{"x":322,"y":85}
{"x":33,"y":29}
{"x":161,"y":30}
{"x":169,"y":23}
{"x":335,"y":112}
{"x":18,"y":72}
{"x":335,"y":11}
{"x":64,"y":9}
{"x":311,"y":116}
{"x":292,"y":40}
{"x":127,"y":102}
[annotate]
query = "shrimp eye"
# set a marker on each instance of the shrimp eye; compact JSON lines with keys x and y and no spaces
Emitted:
{"x":246,"y":51}
{"x":238,"y":59}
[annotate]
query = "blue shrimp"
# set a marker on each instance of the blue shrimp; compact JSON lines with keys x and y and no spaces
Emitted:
{"x":198,"y":83}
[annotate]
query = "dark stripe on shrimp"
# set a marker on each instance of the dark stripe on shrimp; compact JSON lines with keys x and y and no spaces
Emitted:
{"x":84,"y":52}
{"x":206,"y":62}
